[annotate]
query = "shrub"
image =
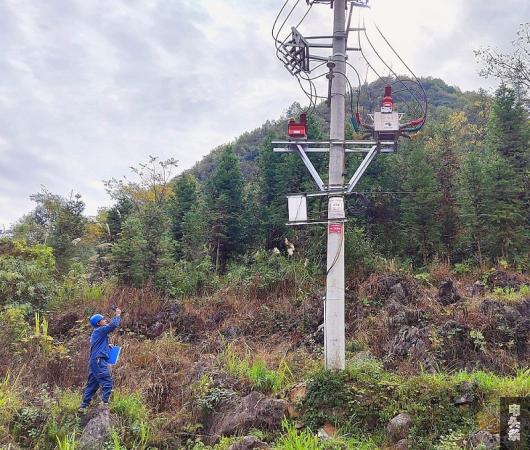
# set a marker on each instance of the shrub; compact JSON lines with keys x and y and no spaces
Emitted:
{"x":364,"y":398}
{"x":26,"y":274}
{"x":186,"y":278}
{"x":266,"y":273}
{"x":15,"y":329}
{"x":76,"y":288}
{"x":325,"y":399}
{"x":511,"y":295}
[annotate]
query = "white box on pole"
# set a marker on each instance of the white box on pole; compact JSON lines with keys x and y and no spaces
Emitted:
{"x":297,"y":208}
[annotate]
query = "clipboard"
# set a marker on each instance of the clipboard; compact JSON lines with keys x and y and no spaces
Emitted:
{"x":114,"y":355}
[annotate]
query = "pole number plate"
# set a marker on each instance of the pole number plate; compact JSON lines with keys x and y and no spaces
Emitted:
{"x":335,"y":228}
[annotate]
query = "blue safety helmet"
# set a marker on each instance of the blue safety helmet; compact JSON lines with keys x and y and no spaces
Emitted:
{"x":94,"y":320}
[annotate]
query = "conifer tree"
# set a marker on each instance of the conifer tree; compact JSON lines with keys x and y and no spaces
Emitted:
{"x":473,"y":202}
{"x":194,"y":243}
{"x":128,"y":254}
{"x":508,"y":130}
{"x":225,"y":198}
{"x":186,"y":195}
{"x":420,"y":228}
{"x":274,"y":181}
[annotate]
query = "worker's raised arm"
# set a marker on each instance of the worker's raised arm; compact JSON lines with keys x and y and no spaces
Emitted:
{"x":114,"y":323}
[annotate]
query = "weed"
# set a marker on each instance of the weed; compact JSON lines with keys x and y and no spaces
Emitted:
{"x":478,"y":339}
{"x":130,"y":407}
{"x":10,"y":401}
{"x":68,"y":442}
{"x":143,"y":433}
{"x":423,"y":277}
{"x":451,"y":441}
{"x":511,"y":295}
{"x":213,"y":397}
{"x":115,"y":441}
{"x":293,"y":439}
{"x":62,"y":415}
{"x":463,"y":268}
{"x":256,"y":373}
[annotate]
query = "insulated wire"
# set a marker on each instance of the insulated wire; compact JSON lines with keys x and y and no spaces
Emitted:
{"x":360,"y":86}
{"x":338,"y":251}
{"x":390,"y":68}
{"x":285,"y":20}
{"x":408,"y":68}
{"x":278,"y":44}
{"x":369,"y":65}
{"x":277,"y":17}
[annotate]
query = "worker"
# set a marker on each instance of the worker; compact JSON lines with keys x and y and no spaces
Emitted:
{"x":98,"y":368}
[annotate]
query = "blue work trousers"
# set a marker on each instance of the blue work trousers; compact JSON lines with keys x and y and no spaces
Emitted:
{"x":98,"y":376}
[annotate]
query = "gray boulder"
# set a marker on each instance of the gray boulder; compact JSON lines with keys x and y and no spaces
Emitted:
{"x":478,"y":288}
{"x":403,"y":444}
{"x":398,"y":428}
{"x":466,"y":394}
{"x":484,"y":440}
{"x":97,"y":429}
{"x":238,"y":415}
{"x":448,"y":293}
{"x":248,"y":443}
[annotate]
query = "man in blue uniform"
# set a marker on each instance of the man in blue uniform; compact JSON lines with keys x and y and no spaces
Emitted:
{"x":98,"y":369}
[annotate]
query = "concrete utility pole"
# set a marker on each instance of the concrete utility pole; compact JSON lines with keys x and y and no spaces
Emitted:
{"x":295,"y":52}
{"x":334,"y":333}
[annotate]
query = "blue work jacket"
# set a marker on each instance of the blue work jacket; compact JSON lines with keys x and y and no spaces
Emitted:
{"x":99,"y":341}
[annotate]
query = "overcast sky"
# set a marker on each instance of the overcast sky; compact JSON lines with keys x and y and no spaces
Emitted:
{"x":90,"y":87}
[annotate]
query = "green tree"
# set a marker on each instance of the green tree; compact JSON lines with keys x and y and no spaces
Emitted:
{"x":57,"y":222}
{"x":508,"y":131}
{"x":450,"y":138}
{"x":186,"y":195}
{"x":116,"y":216}
{"x":420,"y":229}
{"x":195,"y":233}
{"x":128,"y":254}
{"x":506,"y":234}
{"x":224,"y":193}
{"x":144,"y":247}
{"x":273,"y":186}
{"x":473,"y":201}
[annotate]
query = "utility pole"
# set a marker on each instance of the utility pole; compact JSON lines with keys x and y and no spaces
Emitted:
{"x":296,"y":53}
{"x":334,"y":333}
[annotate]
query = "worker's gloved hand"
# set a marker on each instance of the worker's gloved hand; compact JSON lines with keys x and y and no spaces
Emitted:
{"x":118,"y":312}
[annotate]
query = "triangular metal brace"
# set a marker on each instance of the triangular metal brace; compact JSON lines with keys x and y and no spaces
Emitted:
{"x":300,"y":149}
{"x":362,"y":168}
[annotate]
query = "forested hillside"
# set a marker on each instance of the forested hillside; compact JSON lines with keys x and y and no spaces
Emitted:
{"x":223,"y":301}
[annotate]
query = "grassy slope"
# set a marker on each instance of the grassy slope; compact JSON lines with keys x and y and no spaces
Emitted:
{"x":166,"y":383}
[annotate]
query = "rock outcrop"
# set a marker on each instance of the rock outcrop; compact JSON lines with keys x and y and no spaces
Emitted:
{"x":399,"y":427}
{"x":448,"y":293}
{"x":238,"y":415}
{"x":248,"y":443}
{"x":97,"y":429}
